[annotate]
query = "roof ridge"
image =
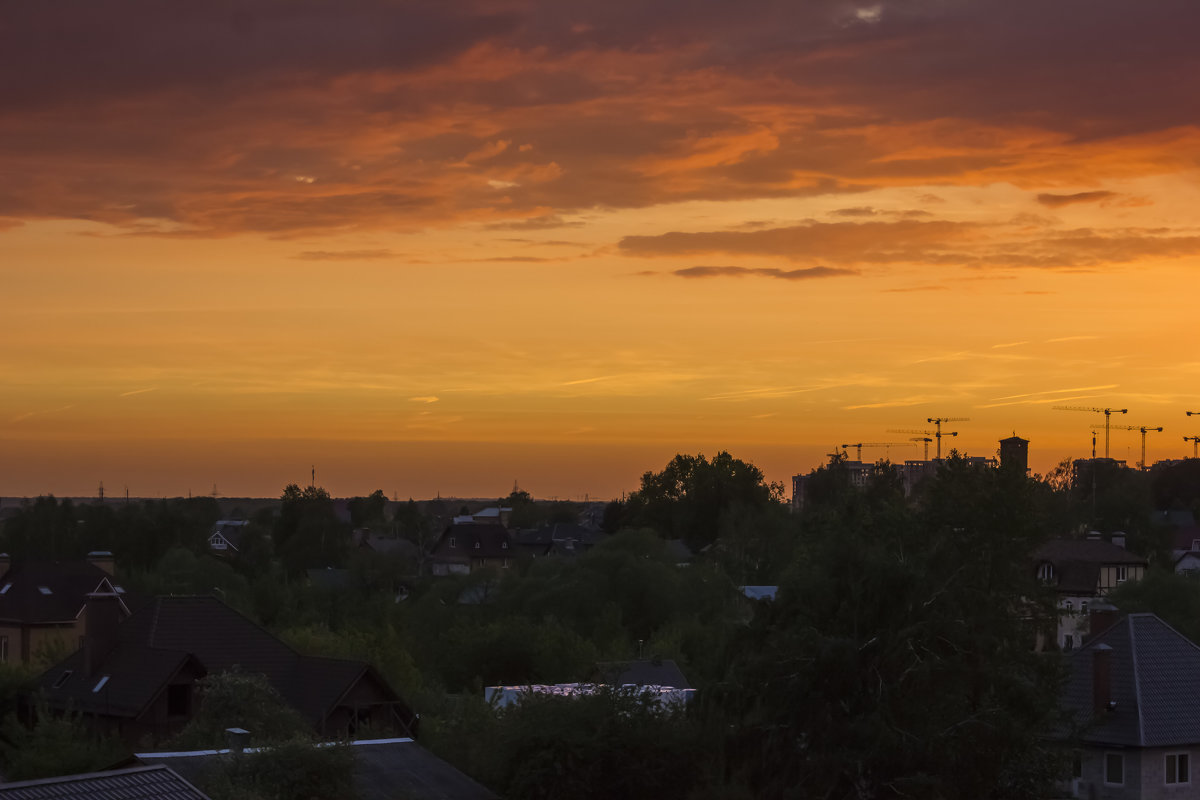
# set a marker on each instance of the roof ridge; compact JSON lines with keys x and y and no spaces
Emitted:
{"x":1137,"y":684}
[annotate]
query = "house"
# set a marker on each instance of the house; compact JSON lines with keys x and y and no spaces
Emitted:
{"x":466,"y":547}
{"x":559,"y":538}
{"x":42,"y":603}
{"x":662,"y":672}
{"x":383,"y":769}
{"x":137,"y":677}
{"x":1082,"y":572}
{"x":225,"y":539}
{"x":135,"y":783}
{"x":1127,"y":692}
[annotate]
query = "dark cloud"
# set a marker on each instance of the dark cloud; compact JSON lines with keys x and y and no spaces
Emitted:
{"x":860,"y":211}
{"x":1059,"y":200}
{"x":763,"y":272}
{"x":539,"y":223}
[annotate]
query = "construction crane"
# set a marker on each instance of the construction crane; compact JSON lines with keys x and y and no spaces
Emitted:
{"x":1190,"y":413}
{"x":926,"y":440}
{"x":937,"y":433}
{"x":1195,"y":440}
{"x":1143,"y":429}
{"x":860,"y":445}
{"x":1107,"y":412}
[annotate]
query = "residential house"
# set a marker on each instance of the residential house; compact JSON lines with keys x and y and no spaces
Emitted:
{"x":1082,"y":572}
{"x":659,"y":672}
{"x":466,"y":547}
{"x":135,"y":783}
{"x":1127,"y":690}
{"x":42,"y":604}
{"x":137,"y":677}
{"x":225,"y":539}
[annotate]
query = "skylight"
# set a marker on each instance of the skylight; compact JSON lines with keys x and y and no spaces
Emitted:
{"x":45,"y":590}
{"x":4,"y":589}
{"x":100,"y":684}
{"x":63,"y":678}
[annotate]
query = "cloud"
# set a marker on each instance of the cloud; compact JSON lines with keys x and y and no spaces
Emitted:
{"x":139,"y":391}
{"x":538,"y":223}
{"x":343,"y":255}
{"x":763,"y":272}
{"x":424,"y":399}
{"x":1059,"y":200}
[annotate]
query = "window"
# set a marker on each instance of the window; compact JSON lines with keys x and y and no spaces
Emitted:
{"x":100,"y":684}
{"x":1083,"y":608}
{"x":1177,"y":768}
{"x":1077,"y":766}
{"x":3,"y":649}
{"x":1122,"y":574}
{"x":1114,"y":769}
{"x":1045,"y":572}
{"x":477,"y":545}
{"x":1068,"y":642}
{"x":63,"y":679}
{"x":1069,"y":607}
{"x":45,"y":590}
{"x":4,"y":589}
{"x":504,"y":545}
{"x":452,"y":542}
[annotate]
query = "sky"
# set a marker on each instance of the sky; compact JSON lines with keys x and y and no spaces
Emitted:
{"x":446,"y":248}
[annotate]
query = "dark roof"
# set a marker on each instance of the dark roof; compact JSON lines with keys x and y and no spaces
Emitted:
{"x":153,"y":643}
{"x":391,"y":545}
{"x":50,"y":591}
{"x":136,"y":675}
{"x":656,"y":672}
{"x":137,"y":783}
{"x":1152,"y":668}
{"x":475,"y":540}
{"x":383,"y":769}
{"x":1077,"y":562}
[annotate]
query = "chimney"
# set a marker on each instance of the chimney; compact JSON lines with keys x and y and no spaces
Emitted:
{"x":102,"y":559}
{"x":102,"y":615}
{"x":237,"y":739}
{"x":1118,"y":538}
{"x":1102,"y":620}
{"x":1102,"y":701}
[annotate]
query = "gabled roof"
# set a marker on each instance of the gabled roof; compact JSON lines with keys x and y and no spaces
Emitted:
{"x":136,"y":675}
{"x":1152,"y":667}
{"x":231,"y":530}
{"x":1077,"y":562}
{"x":44,"y":592}
{"x":493,"y":541}
{"x":154,"y":642}
{"x":137,"y":783}
{"x":390,"y":545}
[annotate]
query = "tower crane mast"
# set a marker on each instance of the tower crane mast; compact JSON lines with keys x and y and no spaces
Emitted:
{"x":1107,"y":412}
{"x":1143,"y":429}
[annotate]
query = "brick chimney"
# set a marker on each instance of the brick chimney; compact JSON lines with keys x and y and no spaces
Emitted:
{"x":103,"y":559}
{"x":1102,"y":701}
{"x":102,"y":615}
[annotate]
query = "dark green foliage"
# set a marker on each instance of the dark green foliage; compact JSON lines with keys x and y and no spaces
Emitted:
{"x":692,"y":496}
{"x":1174,"y":598}
{"x":897,"y":660}
{"x":291,"y":770}
{"x":616,"y":743}
{"x":368,"y":511}
{"x":240,"y":700}
{"x":56,"y":744}
{"x":307,"y":531}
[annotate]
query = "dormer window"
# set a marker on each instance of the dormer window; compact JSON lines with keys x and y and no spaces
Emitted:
{"x":453,"y":543}
{"x":1046,"y":573}
{"x":477,"y":545}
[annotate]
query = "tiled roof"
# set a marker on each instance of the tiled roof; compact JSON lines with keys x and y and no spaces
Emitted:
{"x":136,"y":675}
{"x":383,"y":769}
{"x":1086,"y":550}
{"x":49,"y":591}
{"x":1152,"y":669}
{"x":138,"y":783}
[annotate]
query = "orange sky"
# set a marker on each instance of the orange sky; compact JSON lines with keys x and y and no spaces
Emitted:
{"x":441,"y":247}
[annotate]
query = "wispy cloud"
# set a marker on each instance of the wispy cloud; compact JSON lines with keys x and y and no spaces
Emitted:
{"x":1059,"y":200}
{"x":763,"y":272}
{"x":424,"y":399}
{"x":343,"y":255}
{"x":139,"y":391}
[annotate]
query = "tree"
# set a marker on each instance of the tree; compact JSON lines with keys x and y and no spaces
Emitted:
{"x":691,"y":497}
{"x":238,"y":699}
{"x":307,"y":532}
{"x":367,"y":511}
{"x":55,"y":744}
{"x":896,"y":660}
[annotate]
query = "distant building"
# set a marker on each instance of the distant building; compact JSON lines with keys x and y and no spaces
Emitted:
{"x":466,"y":547}
{"x":1082,"y":572}
{"x":1014,"y":454}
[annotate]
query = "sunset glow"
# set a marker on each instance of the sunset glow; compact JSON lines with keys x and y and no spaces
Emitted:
{"x":442,"y":247}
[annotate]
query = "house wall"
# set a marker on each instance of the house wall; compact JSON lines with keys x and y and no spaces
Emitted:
{"x":1153,"y":773}
{"x":58,"y":640}
{"x":1108,"y":576}
{"x":1091,"y":785}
